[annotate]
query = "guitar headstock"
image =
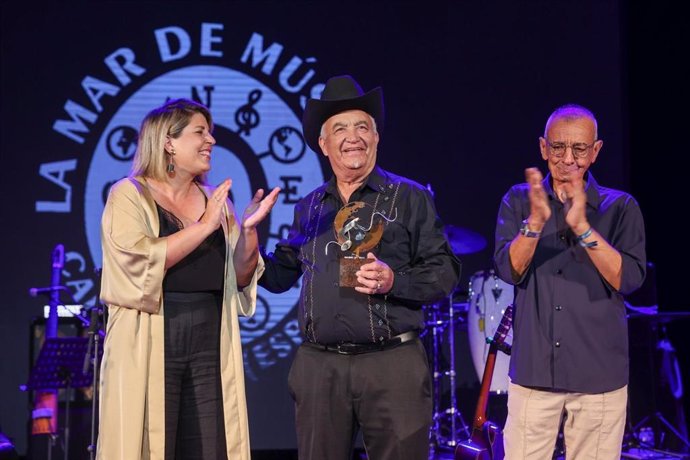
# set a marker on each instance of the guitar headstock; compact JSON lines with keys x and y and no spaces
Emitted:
{"x":58,"y":256}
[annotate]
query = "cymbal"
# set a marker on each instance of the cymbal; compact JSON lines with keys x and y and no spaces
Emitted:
{"x":463,"y":240}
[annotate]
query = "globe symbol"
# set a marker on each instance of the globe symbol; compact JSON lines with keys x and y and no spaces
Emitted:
{"x":286,"y":144}
{"x":122,"y":143}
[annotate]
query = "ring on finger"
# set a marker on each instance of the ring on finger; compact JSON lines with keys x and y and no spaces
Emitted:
{"x":378,"y":285}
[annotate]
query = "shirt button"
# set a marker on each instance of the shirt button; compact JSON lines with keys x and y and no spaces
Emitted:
{"x":562,"y":237}
{"x":559,"y":272}
{"x":559,"y":308}
{"x":558,"y":344}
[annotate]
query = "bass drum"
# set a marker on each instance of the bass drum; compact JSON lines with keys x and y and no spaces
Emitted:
{"x":488,"y":298}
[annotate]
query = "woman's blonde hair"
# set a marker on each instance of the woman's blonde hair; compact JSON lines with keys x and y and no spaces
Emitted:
{"x":165,"y":121}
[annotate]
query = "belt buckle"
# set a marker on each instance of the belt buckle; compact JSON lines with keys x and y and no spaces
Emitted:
{"x":349,"y":348}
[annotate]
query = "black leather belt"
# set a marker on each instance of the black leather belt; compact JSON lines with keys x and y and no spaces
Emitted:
{"x":349,"y":348}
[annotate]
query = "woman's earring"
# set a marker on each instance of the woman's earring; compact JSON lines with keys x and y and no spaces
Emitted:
{"x":171,"y":166}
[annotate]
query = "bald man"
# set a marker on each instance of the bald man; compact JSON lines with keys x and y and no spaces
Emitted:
{"x":571,"y":248}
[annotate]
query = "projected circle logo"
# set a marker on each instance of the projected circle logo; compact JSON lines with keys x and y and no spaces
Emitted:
{"x":259,"y":145}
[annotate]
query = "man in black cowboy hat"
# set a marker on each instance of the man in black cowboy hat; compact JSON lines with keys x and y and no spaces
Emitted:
{"x":373,"y":252}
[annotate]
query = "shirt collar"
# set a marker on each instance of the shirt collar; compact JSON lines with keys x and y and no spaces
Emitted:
{"x":591,"y":189}
{"x":378,"y":181}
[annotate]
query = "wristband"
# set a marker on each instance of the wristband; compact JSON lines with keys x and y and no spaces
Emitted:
{"x":581,"y":239}
{"x":524,"y":229}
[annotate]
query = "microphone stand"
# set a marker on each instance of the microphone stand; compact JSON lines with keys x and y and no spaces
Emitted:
{"x":95,"y":336}
{"x":94,"y":341}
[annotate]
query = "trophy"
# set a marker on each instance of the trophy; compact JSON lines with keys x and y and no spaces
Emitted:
{"x":356,"y":233}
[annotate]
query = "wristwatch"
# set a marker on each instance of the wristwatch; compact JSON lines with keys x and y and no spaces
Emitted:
{"x":524,"y":229}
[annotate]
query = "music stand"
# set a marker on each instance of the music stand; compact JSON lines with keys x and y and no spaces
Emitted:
{"x":60,"y":365}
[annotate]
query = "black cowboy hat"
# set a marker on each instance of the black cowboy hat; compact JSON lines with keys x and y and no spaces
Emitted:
{"x":341,"y":93}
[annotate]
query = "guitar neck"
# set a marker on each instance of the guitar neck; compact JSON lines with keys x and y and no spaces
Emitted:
{"x":498,"y":340}
{"x":482,"y":401}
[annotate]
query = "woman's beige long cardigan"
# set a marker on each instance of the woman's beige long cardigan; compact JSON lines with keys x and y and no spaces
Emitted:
{"x":132,"y":404}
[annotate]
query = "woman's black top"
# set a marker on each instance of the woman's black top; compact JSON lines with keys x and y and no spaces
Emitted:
{"x":203,"y":269}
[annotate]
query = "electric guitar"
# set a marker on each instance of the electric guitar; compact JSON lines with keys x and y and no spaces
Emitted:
{"x":45,"y":414}
{"x":486,"y":441}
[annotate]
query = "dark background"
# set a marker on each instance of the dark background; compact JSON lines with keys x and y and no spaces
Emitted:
{"x":468,"y":87}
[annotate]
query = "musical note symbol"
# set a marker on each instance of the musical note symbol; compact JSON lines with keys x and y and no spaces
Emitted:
{"x":246,"y":116}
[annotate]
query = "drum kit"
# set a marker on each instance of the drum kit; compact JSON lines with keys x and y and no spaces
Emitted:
{"x":487,"y":297}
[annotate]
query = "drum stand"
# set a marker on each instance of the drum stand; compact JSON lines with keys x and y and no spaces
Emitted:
{"x":447,"y":424}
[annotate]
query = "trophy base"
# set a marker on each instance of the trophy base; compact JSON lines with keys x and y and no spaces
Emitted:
{"x":349,"y":265}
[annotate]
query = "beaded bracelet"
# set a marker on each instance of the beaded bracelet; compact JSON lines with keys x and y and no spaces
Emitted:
{"x":581,"y":239}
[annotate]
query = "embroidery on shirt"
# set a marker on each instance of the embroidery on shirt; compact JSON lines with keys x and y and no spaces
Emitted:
{"x":384,"y":303}
{"x":310,"y":331}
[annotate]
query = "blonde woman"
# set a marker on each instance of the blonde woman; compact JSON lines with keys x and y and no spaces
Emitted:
{"x":178,"y":268}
